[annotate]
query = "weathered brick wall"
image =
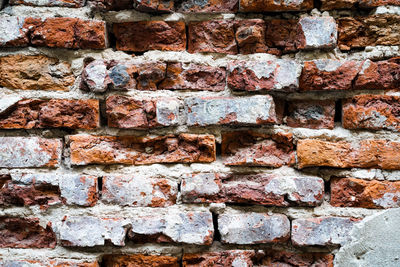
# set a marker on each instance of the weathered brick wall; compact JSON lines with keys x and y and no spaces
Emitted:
{"x":195,"y":133}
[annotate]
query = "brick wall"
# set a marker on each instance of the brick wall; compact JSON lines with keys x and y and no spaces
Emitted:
{"x":195,"y":133}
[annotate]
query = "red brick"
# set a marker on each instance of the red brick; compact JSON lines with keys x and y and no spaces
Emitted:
{"x":328,"y":75}
{"x":22,"y":152}
{"x":154,"y":6}
{"x":136,"y":260}
{"x":250,"y":36}
{"x":215,"y":36}
{"x":150,"y":35}
{"x":272,"y":5}
{"x":282,"y":34}
{"x":360,"y":32}
{"x":285,"y":258}
{"x":60,"y":3}
{"x":259,"y":189}
{"x":193,"y":77}
{"x":67,"y":33}
{"x":314,"y":114}
{"x":47,"y":189}
{"x":130,"y":113}
{"x":54,"y":113}
{"x":368,"y":153}
{"x":25,"y":233}
{"x":272,"y":75}
{"x":351,"y":192}
{"x":208,"y":6}
{"x":35,"y":73}
{"x":381,"y":75}
{"x":225,"y":258}
{"x":374,"y":112}
{"x":183,"y":148}
{"x":245,"y":148}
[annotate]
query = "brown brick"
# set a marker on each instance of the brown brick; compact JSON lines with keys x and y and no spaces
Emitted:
{"x":23,"y":152}
{"x":374,"y":112}
{"x":225,"y":258}
{"x":208,"y":6}
{"x":150,"y":35}
{"x":136,"y":260}
{"x":25,"y":233}
{"x":370,"y":153}
{"x":314,"y":114}
{"x":245,"y":148}
{"x":60,"y":3}
{"x":35,"y":73}
{"x":130,"y":113}
{"x":272,"y":5}
{"x":250,"y":36}
{"x":328,"y":75}
{"x":351,"y":192}
{"x":215,"y":36}
{"x":67,"y":33}
{"x":54,"y":113}
{"x":193,"y":77}
{"x":382,"y":29}
{"x":282,"y":258}
{"x":183,"y":148}
{"x":259,"y":189}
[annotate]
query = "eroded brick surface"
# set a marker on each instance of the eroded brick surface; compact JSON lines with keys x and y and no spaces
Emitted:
{"x":49,"y":262}
{"x":250,"y":36}
{"x":22,"y":232}
{"x":135,"y":190}
{"x":54,"y":113}
{"x":150,"y":35}
{"x":312,"y":114}
{"x":222,"y":258}
{"x":271,"y":5}
{"x":351,"y":192}
{"x":245,"y":148}
{"x":230,"y":110}
{"x":20,"y":152}
{"x":323,"y":231}
{"x":358,"y":32}
{"x":213,"y":36}
{"x":347,"y":4}
{"x":208,"y":6}
{"x":272,"y":75}
{"x":140,"y":260}
{"x":253,"y":228}
{"x":183,"y":148}
{"x":289,"y":258}
{"x":60,"y":3}
{"x":260,"y":189}
{"x":154,"y":6}
{"x":35,"y":73}
{"x":372,"y":112}
{"x":368,"y":153}
{"x":130,"y":113}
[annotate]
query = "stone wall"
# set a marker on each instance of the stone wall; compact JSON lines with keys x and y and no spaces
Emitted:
{"x":196,"y":133}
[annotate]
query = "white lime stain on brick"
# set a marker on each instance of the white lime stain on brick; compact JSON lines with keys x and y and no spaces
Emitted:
{"x":252,"y":228}
{"x":319,"y":32}
{"x":96,"y":76}
{"x":27,"y":152}
{"x":328,"y":64}
{"x":10,"y":29}
{"x":167,"y":111}
{"x":239,"y":110}
{"x":287,"y":74}
{"x":202,"y":183}
{"x":323,"y":231}
{"x":388,"y":200}
{"x":7,"y":102}
{"x":135,"y":190}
